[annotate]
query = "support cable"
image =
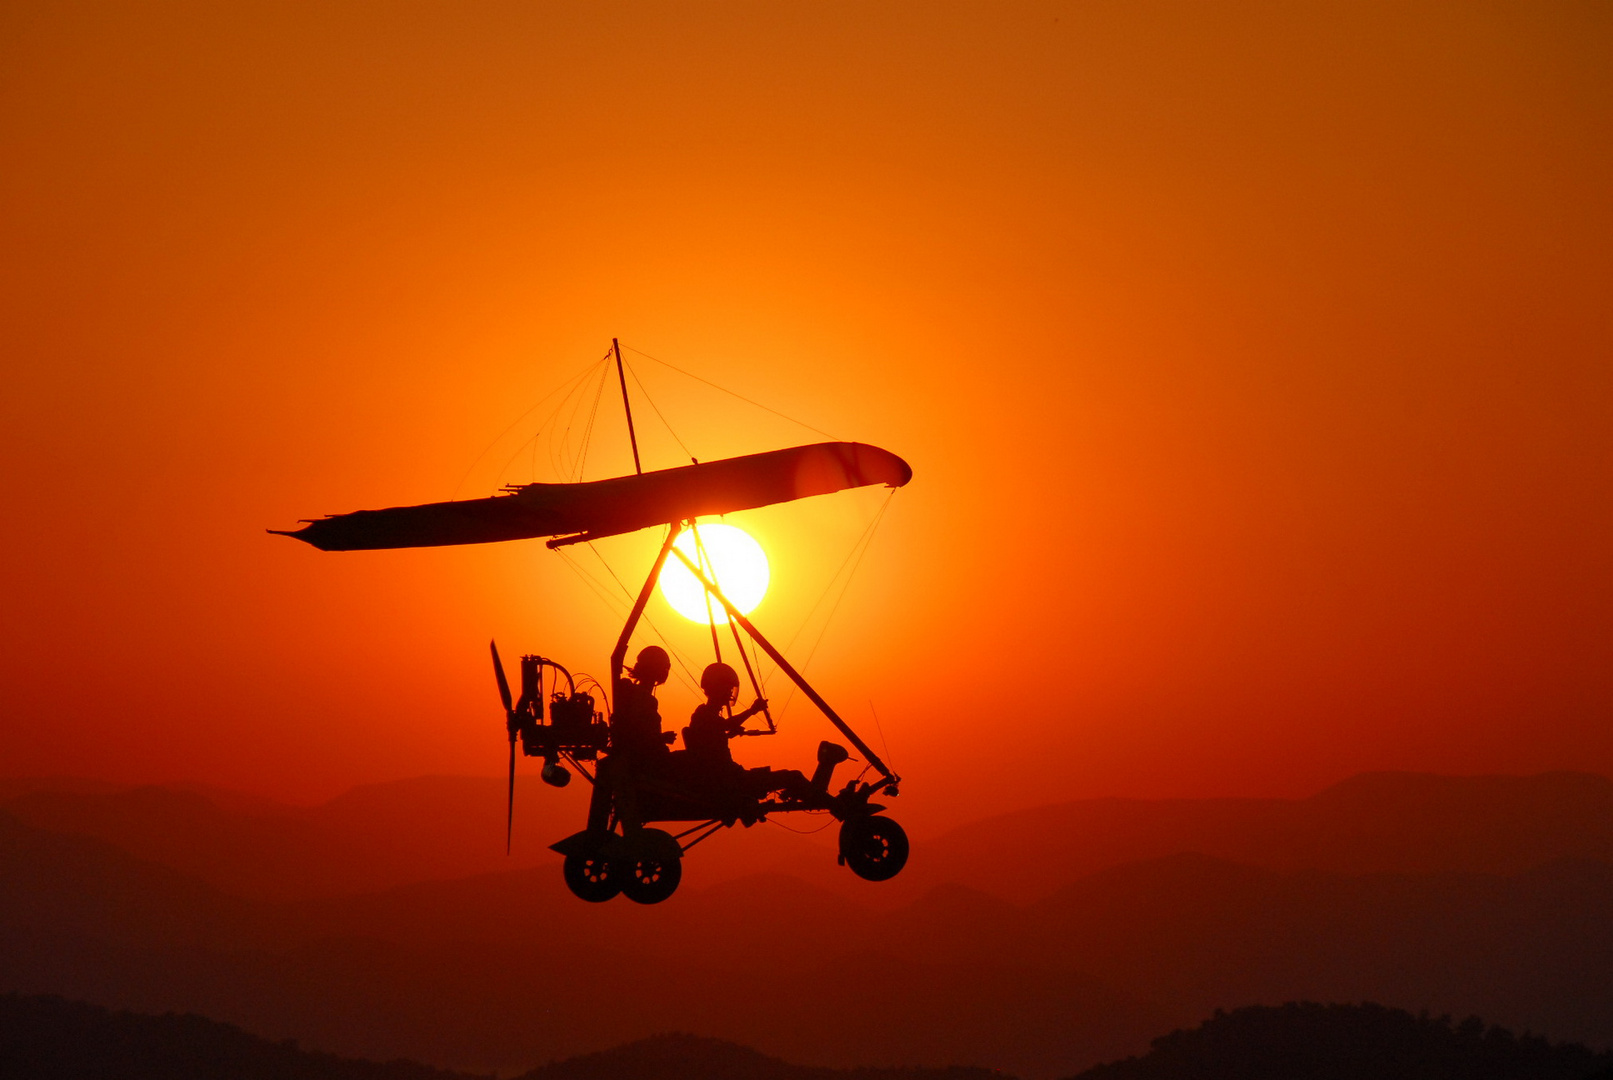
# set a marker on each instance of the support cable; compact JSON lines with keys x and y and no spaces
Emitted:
{"x":544,"y":428}
{"x":872,"y":529}
{"x":689,"y":680}
{"x":731,"y":393}
{"x":588,"y":431}
{"x":532,"y":409}
{"x":664,"y":422}
{"x":883,"y":745}
{"x":864,"y":537}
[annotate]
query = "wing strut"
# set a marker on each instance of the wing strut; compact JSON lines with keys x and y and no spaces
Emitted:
{"x":767,"y":647}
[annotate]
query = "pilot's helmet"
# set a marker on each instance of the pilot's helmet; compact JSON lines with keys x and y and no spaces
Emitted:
{"x":652,"y":666}
{"x":719,"y":679}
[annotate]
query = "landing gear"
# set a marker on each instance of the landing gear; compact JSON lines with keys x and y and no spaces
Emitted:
{"x":591,"y":877}
{"x":645,"y":867}
{"x":874,"y":847}
{"x":651,"y":874}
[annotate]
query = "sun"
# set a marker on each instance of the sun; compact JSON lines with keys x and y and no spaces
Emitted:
{"x":733,"y":560}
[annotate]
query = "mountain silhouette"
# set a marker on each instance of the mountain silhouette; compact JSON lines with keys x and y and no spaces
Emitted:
{"x":1371,"y":823}
{"x":47,"y":1038}
{"x":438,"y":828}
{"x":495,"y":971}
{"x":679,"y":1057}
{"x":1307,"y":1041}
{"x":373,"y":837}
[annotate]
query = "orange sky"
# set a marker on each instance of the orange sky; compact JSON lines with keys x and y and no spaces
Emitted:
{"x":1253,"y":362}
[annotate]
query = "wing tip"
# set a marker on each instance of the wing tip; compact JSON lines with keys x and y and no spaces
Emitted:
{"x":893,"y":470}
{"x":299,"y":534}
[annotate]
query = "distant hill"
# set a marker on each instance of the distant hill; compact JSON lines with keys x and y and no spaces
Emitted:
{"x":687,"y":1057}
{"x":55,"y":886}
{"x":371,"y":838}
{"x":1372,"y":823}
{"x":1306,"y":1041}
{"x":374,"y":837}
{"x":498,"y":970}
{"x":439,"y":828}
{"x":47,"y":1038}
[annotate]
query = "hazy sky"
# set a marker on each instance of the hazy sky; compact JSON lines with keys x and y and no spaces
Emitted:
{"x":1254,"y":363}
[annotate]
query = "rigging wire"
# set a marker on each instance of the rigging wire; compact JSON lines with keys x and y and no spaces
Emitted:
{"x":883,"y":745}
{"x":610,"y":603}
{"x":599,"y":590}
{"x":582,"y":373}
{"x":731,"y":393}
{"x":588,"y":429}
{"x":560,"y":419}
{"x":868,"y":543}
{"x":689,"y":680}
{"x":534,"y":441}
{"x":865,"y":536}
{"x":667,"y":424}
{"x":560,"y":459}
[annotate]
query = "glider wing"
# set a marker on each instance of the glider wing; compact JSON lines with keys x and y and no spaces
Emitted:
{"x":622,"y":504}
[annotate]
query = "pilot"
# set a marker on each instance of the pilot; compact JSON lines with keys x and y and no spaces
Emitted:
{"x":638,"y":747}
{"x":635,"y":723}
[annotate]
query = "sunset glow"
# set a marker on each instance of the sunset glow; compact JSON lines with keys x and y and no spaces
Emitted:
{"x":738,"y":566}
{"x":1251,"y":363}
{"x":1183,"y":434}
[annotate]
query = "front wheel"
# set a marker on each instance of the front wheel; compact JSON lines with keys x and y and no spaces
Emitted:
{"x":591,"y":878}
{"x":874,"y":847}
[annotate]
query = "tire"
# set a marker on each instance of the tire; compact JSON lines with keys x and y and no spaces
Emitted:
{"x":874,"y":847}
{"x":654,"y":874}
{"x":591,"y":878}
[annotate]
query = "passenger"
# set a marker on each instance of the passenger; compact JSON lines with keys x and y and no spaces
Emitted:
{"x":706,"y":739}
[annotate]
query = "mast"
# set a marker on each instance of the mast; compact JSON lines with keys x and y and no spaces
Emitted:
{"x":626,"y":407}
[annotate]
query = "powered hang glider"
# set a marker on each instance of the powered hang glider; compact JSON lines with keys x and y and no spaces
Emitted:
{"x":635,"y":784}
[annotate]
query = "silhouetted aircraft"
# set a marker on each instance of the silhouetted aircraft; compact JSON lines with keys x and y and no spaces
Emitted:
{"x":637,"y":779}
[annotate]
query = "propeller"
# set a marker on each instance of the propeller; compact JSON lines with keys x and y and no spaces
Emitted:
{"x":509,"y":722}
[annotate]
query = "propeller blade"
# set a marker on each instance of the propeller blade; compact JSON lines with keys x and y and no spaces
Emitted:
{"x":503,"y":683}
{"x":509,"y":821}
{"x":509,"y":716}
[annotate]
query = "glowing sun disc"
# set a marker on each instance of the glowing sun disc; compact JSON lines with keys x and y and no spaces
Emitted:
{"x":734,"y":561}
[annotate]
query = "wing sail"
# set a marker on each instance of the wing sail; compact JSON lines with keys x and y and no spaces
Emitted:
{"x":622,"y":504}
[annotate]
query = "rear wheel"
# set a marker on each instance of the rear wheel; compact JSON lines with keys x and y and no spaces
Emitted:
{"x":653,"y":874}
{"x":591,"y":878}
{"x":874,"y":847}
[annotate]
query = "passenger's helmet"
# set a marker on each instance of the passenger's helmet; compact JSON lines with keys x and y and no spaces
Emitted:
{"x":719,"y":679}
{"x":652,"y":666}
